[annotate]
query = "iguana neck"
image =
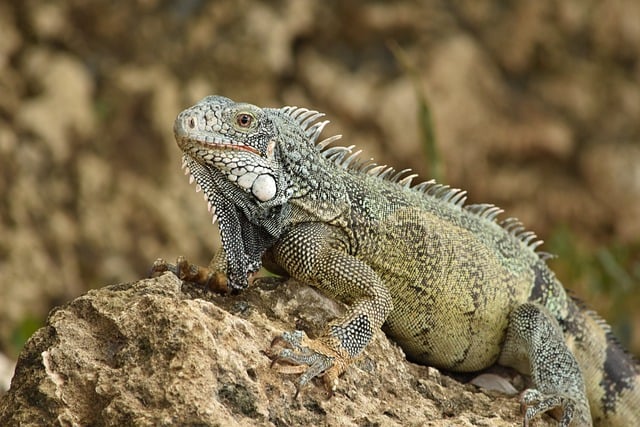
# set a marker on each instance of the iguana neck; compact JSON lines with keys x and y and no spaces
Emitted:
{"x":317,"y":184}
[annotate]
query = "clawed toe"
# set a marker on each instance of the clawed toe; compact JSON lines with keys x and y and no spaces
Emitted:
{"x":160,"y":266}
{"x":297,"y":358}
{"x":289,"y":339}
{"x":188,"y":272}
{"x":534,"y":403}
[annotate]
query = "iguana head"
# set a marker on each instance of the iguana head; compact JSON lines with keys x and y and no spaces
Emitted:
{"x":252,"y":164}
{"x":236,"y":139}
{"x":266,"y":155}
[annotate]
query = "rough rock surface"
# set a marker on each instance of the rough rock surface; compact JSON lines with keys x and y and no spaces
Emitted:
{"x":160,"y":352}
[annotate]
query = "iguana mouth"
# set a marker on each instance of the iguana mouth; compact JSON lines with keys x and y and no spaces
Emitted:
{"x":196,"y":145}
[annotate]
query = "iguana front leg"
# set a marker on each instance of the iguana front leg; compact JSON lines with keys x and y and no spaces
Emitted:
{"x":535,"y":345}
{"x":313,"y":253}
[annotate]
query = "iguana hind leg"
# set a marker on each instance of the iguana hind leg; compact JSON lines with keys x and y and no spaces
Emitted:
{"x":535,"y":345}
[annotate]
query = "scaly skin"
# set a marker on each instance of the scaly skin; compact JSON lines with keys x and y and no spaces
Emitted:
{"x":453,"y":287}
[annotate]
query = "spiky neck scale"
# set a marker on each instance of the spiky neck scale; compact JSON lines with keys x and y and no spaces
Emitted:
{"x":311,"y":178}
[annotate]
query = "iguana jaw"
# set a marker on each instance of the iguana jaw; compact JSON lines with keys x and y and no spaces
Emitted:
{"x":240,"y":164}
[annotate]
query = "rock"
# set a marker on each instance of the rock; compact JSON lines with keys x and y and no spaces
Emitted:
{"x":7,"y":366}
{"x":160,"y":352}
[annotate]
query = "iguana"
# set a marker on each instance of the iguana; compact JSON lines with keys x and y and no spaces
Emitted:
{"x":453,"y":286}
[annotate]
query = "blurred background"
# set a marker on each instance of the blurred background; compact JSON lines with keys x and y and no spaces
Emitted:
{"x":531,"y":105}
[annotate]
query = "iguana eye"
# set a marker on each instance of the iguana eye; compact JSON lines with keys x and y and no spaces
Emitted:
{"x":244,"y":120}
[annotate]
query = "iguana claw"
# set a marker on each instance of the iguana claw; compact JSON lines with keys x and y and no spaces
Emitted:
{"x":300,"y":358}
{"x":189,"y":272}
{"x":534,"y":402}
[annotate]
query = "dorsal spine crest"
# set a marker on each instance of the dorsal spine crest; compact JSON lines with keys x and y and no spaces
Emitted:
{"x":345,"y":158}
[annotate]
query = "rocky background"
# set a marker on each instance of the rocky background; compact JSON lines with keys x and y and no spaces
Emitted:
{"x":534,"y":106}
